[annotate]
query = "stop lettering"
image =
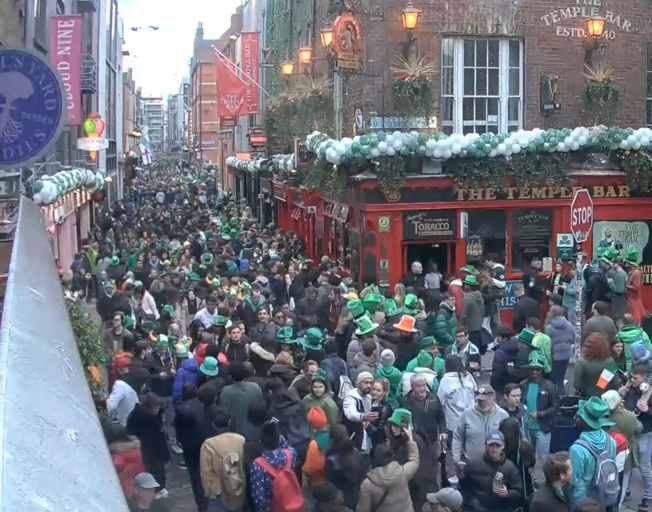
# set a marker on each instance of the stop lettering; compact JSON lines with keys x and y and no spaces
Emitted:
{"x":581,"y":215}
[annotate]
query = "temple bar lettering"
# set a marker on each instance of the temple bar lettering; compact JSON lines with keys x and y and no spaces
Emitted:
{"x":514,"y":193}
{"x":585,"y":9}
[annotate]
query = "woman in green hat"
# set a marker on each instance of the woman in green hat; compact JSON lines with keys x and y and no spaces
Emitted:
{"x":320,"y":396}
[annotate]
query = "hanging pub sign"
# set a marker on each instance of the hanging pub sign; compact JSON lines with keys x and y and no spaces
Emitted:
{"x":347,"y":41}
{"x":433,"y":225}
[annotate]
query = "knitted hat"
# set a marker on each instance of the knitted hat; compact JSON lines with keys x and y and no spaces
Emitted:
{"x":387,"y":357}
{"x":611,"y":398}
{"x":638,"y":350}
{"x":362,"y":376}
{"x":317,"y":418}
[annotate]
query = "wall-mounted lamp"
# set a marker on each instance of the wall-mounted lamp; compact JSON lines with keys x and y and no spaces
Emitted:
{"x":595,"y":28}
{"x":305,"y":55}
{"x":410,"y":17}
{"x":327,"y":37}
{"x":287,"y":68}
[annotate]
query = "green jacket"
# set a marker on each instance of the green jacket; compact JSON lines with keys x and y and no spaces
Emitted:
{"x":542,"y":342}
{"x":327,"y":404}
{"x":630,"y":334}
{"x":445,"y":325}
{"x":424,"y":360}
{"x":628,"y":425}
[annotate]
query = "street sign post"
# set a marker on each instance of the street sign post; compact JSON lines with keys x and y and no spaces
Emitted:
{"x":581,"y":224}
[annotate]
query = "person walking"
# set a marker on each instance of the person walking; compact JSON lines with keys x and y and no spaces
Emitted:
{"x":562,"y":339}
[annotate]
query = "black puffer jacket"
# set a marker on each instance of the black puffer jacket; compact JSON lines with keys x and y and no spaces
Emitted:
{"x":335,"y":367}
{"x":148,"y":428}
{"x":406,"y":350}
{"x":291,"y":415}
{"x":194,"y":423}
{"x":477,"y":484}
{"x":502,"y":372}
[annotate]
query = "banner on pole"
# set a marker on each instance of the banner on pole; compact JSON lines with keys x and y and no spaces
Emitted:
{"x":251,"y":70}
{"x":65,"y":57}
{"x":230,"y":89}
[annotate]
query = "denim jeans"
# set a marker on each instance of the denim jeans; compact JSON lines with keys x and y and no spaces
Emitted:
{"x":541,"y":444}
{"x":645,"y":462}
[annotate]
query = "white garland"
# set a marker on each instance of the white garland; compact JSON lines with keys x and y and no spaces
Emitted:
{"x":48,"y":189}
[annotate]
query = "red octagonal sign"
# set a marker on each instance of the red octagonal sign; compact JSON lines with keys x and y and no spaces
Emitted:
{"x":581,"y":215}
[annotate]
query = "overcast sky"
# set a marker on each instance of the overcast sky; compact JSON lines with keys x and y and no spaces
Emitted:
{"x":160,"y":58}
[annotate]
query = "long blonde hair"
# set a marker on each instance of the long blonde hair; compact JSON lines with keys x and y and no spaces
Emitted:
{"x":399,"y":294}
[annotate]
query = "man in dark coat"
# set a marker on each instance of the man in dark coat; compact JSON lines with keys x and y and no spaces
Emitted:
{"x":526,"y":307}
{"x":415,"y":279}
{"x":334,"y":366}
{"x":556,"y":495}
{"x":505,"y":354}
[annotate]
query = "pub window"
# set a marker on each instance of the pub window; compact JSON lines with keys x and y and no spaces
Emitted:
{"x":531,"y":236}
{"x":648,"y":86}
{"x":487,"y":236}
{"x":481,"y":85}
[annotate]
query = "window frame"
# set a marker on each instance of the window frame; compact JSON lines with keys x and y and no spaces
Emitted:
{"x":648,"y":85}
{"x":457,"y":123}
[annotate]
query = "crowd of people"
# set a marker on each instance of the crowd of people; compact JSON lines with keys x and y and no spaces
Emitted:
{"x":283,"y":386}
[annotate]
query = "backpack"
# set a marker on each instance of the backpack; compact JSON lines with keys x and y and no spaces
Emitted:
{"x":622,"y":450}
{"x":286,"y":492}
{"x":606,"y":488}
{"x":233,"y":478}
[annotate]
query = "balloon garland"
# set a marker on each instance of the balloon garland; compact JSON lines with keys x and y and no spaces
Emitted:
{"x":48,"y":189}
{"x":472,"y":145}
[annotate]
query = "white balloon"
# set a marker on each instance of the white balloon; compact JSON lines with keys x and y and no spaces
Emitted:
{"x":339,"y":147}
{"x":493,"y":153}
{"x":645,"y":141}
{"x":429,"y":152}
{"x":582,"y":139}
{"x":390,"y":151}
{"x":464,"y":143}
{"x":398,"y":145}
{"x":389,"y":139}
{"x":347,"y":142}
{"x":356,"y":138}
{"x":375,"y":153}
{"x":631,"y":139}
{"x":516,"y":148}
{"x":636,"y":145}
{"x":561,"y":147}
{"x":37,"y":198}
{"x":446,"y":154}
{"x":431,"y":144}
{"x":437,"y":153}
{"x":501,"y":148}
{"x":382,"y":146}
{"x":397,"y":134}
{"x":455,"y":148}
{"x":623,"y":144}
{"x":575,"y":145}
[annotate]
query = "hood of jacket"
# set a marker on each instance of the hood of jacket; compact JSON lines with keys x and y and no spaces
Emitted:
{"x":476,"y":297}
{"x":421,"y":315}
{"x":446,"y":306}
{"x":124,"y":446}
{"x":386,"y":476}
{"x":596,"y":438}
{"x":560,"y":323}
{"x":630,"y":334}
{"x":509,"y":347}
{"x":190,"y":365}
{"x":255,"y":305}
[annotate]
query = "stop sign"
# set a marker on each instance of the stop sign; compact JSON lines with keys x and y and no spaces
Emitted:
{"x":581,"y":215}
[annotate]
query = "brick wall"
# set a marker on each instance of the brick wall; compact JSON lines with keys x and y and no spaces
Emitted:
{"x":553,"y":44}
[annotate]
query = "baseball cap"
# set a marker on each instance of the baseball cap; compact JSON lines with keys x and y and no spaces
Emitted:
{"x":496,"y":438}
{"x":447,"y":497}
{"x":146,"y":481}
{"x":485,"y":391}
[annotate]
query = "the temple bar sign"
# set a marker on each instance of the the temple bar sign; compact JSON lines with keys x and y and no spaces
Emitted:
{"x":515,"y":193}
{"x":565,"y":20}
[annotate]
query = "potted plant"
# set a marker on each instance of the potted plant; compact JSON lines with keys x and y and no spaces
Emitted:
{"x":601,"y":93}
{"x":412,"y":90}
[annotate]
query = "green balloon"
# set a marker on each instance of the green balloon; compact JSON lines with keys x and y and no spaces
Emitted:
{"x":355,"y":147}
{"x":89,"y":126}
{"x":382,"y":135}
{"x":364,"y":140}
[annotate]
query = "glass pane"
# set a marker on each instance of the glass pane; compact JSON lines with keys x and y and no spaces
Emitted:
{"x":480,"y":128}
{"x":469,"y":52}
{"x":446,"y":109}
{"x":493,"y":53}
{"x":512,"y":109}
{"x":481,"y":109}
{"x":649,"y":85}
{"x":514,"y":54}
{"x":467,"y":129}
{"x":447,"y":53}
{"x":448,"y":130}
{"x":447,"y":81}
{"x":469,"y":79}
{"x":531,"y":236}
{"x":488,"y":234}
{"x":493,"y":82}
{"x":492,"y":107}
{"x":648,"y":112}
{"x":481,"y":54}
{"x":512,"y":128}
{"x":514,"y":82}
{"x":493,"y":128}
{"x":481,"y":81}
{"x":467,"y":109}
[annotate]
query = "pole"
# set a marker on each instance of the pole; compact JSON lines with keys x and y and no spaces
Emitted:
{"x":578,"y":305}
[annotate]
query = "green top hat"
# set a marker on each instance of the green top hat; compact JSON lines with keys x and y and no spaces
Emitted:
{"x":127,"y":322}
{"x":632,"y":257}
{"x":286,"y":335}
{"x":207,"y":259}
{"x":193,"y":276}
{"x":411,"y":303}
{"x":371,"y":302}
{"x":246,"y":287}
{"x":114,"y":261}
{"x":219,"y":320}
{"x":235,"y":233}
{"x":209,"y":367}
{"x":388,"y":304}
{"x":469,"y":269}
{"x":526,"y":336}
{"x":313,"y":339}
{"x":395,"y":311}
{"x":215,"y":282}
{"x":595,"y":412}
{"x":162,"y":341}
{"x":355,"y":308}
{"x":427,"y":342}
{"x":471,"y":280}
{"x":365,"y":326}
{"x":398,"y":415}
{"x":535,"y":360}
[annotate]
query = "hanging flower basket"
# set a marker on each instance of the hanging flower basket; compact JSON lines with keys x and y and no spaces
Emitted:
{"x":601,"y":94}
{"x":412,"y":91}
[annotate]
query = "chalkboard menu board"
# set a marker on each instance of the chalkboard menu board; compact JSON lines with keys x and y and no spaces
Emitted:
{"x":430,"y":225}
{"x":531,"y":235}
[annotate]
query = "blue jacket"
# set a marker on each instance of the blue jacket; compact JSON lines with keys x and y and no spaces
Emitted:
{"x":583,"y":461}
{"x":188,"y":372}
{"x":570,"y":295}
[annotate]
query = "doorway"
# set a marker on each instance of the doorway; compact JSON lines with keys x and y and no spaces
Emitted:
{"x":442,"y":254}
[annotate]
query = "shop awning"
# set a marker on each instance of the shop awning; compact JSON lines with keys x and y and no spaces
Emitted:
{"x":54,"y":455}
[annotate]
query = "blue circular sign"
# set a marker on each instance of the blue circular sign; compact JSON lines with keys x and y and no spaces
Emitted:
{"x":32,"y":107}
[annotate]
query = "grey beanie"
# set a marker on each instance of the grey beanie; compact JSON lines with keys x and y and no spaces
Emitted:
{"x":387,"y":357}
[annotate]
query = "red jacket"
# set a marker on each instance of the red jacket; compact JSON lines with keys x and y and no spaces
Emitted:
{"x":456,"y":290}
{"x":128,"y":462}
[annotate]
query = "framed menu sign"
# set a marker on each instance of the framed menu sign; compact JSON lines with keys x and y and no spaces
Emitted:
{"x":430,"y":225}
{"x":531,"y":236}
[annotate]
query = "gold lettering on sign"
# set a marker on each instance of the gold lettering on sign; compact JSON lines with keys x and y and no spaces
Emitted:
{"x":585,"y":9}
{"x":515,"y":193}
